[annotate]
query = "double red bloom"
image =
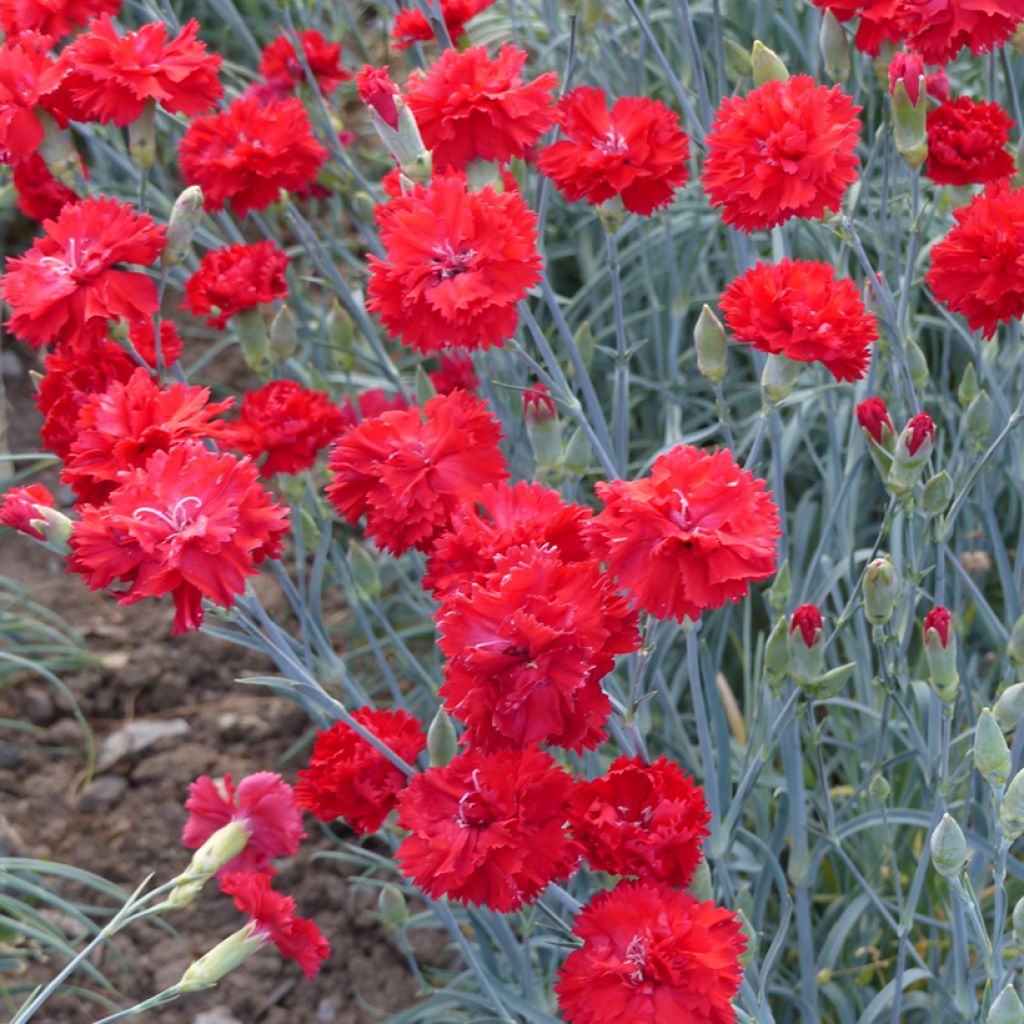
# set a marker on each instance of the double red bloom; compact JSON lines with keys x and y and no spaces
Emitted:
{"x":940,"y":29}
{"x":967,"y":142}
{"x":411,"y":23}
{"x":53,"y":18}
{"x":281,"y":68}
{"x":234,"y":278}
{"x":636,"y":151}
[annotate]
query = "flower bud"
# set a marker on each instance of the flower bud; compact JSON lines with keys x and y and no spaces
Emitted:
{"x":186,"y":214}
{"x":879,"y":788}
{"x":222,"y":847}
{"x":391,"y":906}
{"x":913,"y":449}
{"x":58,"y":152}
{"x":1015,"y":645}
{"x":1011,"y":811}
{"x":579,"y":455}
{"x":940,"y":652}
{"x":700,"y":885}
{"x":969,"y":387}
{"x":1009,"y":707}
{"x":1006,"y":1008}
{"x":907,"y":68}
{"x":253,"y":337}
{"x":284,"y":333}
{"x":881,"y":590}
{"x":737,"y":58}
{"x":341,"y":335}
{"x":766,"y":64}
{"x":991,"y":754}
{"x":978,"y":420}
{"x":378,"y":92}
{"x":363,"y":567}
{"x":748,"y":931}
{"x":1018,"y":922}
{"x":829,"y":684}
{"x":806,"y":645}
{"x":543,"y":428}
{"x":712,"y":346}
{"x":909,"y":123}
{"x":917,"y":364}
{"x":585,"y":344}
{"x":142,"y":137}
{"x":442,"y":743}
{"x":30,"y":511}
{"x":781,"y":589}
{"x":948,"y":848}
{"x":221,"y":960}
{"x":776,"y":653}
{"x":937,"y":494}
{"x":779,"y":377}
{"x":835,"y":48}
{"x":394,"y":122}
{"x":874,"y":420}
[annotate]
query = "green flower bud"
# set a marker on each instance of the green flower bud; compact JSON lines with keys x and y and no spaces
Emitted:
{"x":909,"y":124}
{"x":543,"y":428}
{"x":991,"y":754}
{"x":969,"y":388}
{"x":186,"y":214}
{"x":391,"y":905}
{"x":948,"y":848}
{"x":779,"y":378}
{"x":1006,"y":1008}
{"x":712,"y":346}
{"x":937,"y":494}
{"x":1015,"y":645}
{"x":341,"y":335}
{"x":766,"y":64}
{"x":578,"y":453}
{"x":1009,"y":707}
{"x":364,"y":205}
{"x":223,"y":846}
{"x":835,"y":48}
{"x":879,"y":788}
{"x":829,"y":684}
{"x":255,"y":342}
{"x":1018,"y":922}
{"x":978,"y":420}
{"x":700,"y":884}
{"x":750,"y":934}
{"x":58,"y":152}
{"x":881,"y":590}
{"x":612,"y":214}
{"x":585,"y":344}
{"x":284,"y":333}
{"x":781,"y":589}
{"x":442,"y":743}
{"x":940,"y":652}
{"x":776,"y":653}
{"x":737,"y":58}
{"x":365,"y":577}
{"x":1011,"y":811}
{"x":142,"y":137}
{"x":221,"y":960}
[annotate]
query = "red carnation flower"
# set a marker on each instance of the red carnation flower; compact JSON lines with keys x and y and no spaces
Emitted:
{"x":939,"y":29}
{"x":19,"y":509}
{"x":378,"y":92}
{"x":692,"y":535}
{"x":247,"y":153}
{"x":967,"y":142}
{"x":368,"y":404}
{"x":264,"y":804}
{"x":488,"y":828}
{"x":786,"y":149}
{"x":40,"y":195}
{"x":938,"y":621}
{"x":457,"y":263}
{"x":123,"y":426}
{"x":874,"y":420}
{"x":469,"y":107}
{"x":191,"y":523}
{"x":411,"y":24}
{"x":347,"y":778}
{"x":234,"y":278}
{"x":142,"y":337}
{"x":978,"y":268}
{"x":652,"y":953}
{"x":112,"y":77}
{"x":30,"y":85}
{"x":53,"y":18}
{"x":503,"y":517}
{"x":66,"y":284}
{"x":407,"y":471}
{"x":800,"y":309}
{"x":528,"y":648}
{"x":272,"y":918}
{"x":288,"y":423}
{"x":636,"y":151}
{"x":641,"y":819}
{"x":877,"y":21}
{"x":282,"y":69}
{"x":455,"y":371}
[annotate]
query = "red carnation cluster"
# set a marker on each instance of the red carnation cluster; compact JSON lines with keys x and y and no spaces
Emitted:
{"x":234,"y":278}
{"x":348,"y":778}
{"x":411,"y":25}
{"x":645,"y":820}
{"x":488,"y":828}
{"x":457,"y":263}
{"x":978,"y":268}
{"x":786,"y":149}
{"x":800,"y":309}
{"x":691,"y":536}
{"x":249,"y":152}
{"x":636,"y":151}
{"x":940,"y":29}
{"x":651,"y":953}
{"x":406,"y":471}
{"x":53,"y":18}
{"x":469,"y":107}
{"x":190,"y":523}
{"x":967,"y":142}
{"x":283,"y":72}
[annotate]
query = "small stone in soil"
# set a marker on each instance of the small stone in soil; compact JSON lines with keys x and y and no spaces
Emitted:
{"x":38,"y":707}
{"x":103,"y":791}
{"x":217,"y":1015}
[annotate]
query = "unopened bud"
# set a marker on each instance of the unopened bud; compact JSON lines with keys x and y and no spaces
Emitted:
{"x":766,"y":64}
{"x":750,"y":934}
{"x":712,"y":346}
{"x":442,"y":743}
{"x":391,"y":906}
{"x":737,"y":58}
{"x":1018,"y":922}
{"x":142,"y":137}
{"x":969,"y":387}
{"x":284,"y":333}
{"x":579,"y":455}
{"x":776,"y":653}
{"x":978,"y":420}
{"x":879,"y":788}
{"x":779,"y":377}
{"x":781,"y":589}
{"x":1015,"y":645}
{"x":585,"y":344}
{"x":30,"y":510}
{"x":1006,"y":1008}
{"x":913,"y":449}
{"x":910,"y":124}
{"x":341,"y":335}
{"x":1009,"y":707}
{"x":991,"y":754}
{"x":881,"y":590}
{"x":220,"y":849}
{"x":940,"y":650}
{"x":829,"y":684}
{"x":253,"y":337}
{"x":948,"y":848}
{"x":363,"y":567}
{"x":221,"y":960}
{"x":879,"y":432}
{"x":700,"y":885}
{"x":835,"y":48}
{"x":57,"y":151}
{"x":937,"y":494}
{"x":186,"y":214}
{"x":542,"y":427}
{"x":1011,"y":811}
{"x":917,"y":364}
{"x":806,"y":644}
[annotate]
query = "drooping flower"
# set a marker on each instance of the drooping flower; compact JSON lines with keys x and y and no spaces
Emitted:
{"x":378,"y":92}
{"x":469,"y":107}
{"x":40,"y":195}
{"x":967,"y":142}
{"x":264,"y":804}
{"x":940,"y":29}
{"x":66,"y":284}
{"x":977,"y":270}
{"x":411,"y":23}
{"x":503,"y":517}
{"x":368,"y":404}
{"x":786,"y":149}
{"x":651,"y":953}
{"x":457,"y":262}
{"x":643,"y":820}
{"x":287,"y":423}
{"x":488,"y":828}
{"x":234,"y":278}
{"x":249,"y":152}
{"x":877,"y":21}
{"x":348,"y":778}
{"x":283,"y":71}
{"x":456,"y":370}
{"x":873,"y":417}
{"x":272,"y":918}
{"x":800,"y":309}
{"x":406,"y":471}
{"x":112,"y":77}
{"x":691,"y":536}
{"x":191,"y":523}
{"x":120,"y":428}
{"x":53,"y":18}
{"x":20,"y":509}
{"x":637,"y":151}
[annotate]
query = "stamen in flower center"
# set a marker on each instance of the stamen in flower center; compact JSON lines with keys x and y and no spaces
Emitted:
{"x":177,"y":517}
{"x":636,"y":957}
{"x":611,"y":142}
{"x":448,"y":263}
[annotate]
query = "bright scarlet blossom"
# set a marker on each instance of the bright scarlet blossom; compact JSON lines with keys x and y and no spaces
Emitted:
{"x":53,"y":18}
{"x":644,"y":820}
{"x":651,"y":953}
{"x":283,"y":71}
{"x":120,"y":428}
{"x":368,"y":404}
{"x":800,"y":309}
{"x":273,"y":919}
{"x":247,"y":153}
{"x":348,"y":778}
{"x":938,"y":620}
{"x":40,"y":195}
{"x":873,"y":417}
{"x":808,"y":621}
{"x":940,"y":29}
{"x":263,"y":804}
{"x":967,"y":142}
{"x":488,"y":828}
{"x":112,"y":77}
{"x":190,"y":523}
{"x":527,"y":649}
{"x":378,"y":91}
{"x":469,"y":107}
{"x":19,"y":508}
{"x":287,"y":423}
{"x":411,"y":24}
{"x":66,"y":285}
{"x":636,"y":151}
{"x":978,"y":268}
{"x":691,"y":536}
{"x":456,"y":370}
{"x":457,"y":262}
{"x":143,"y":338}
{"x":504,"y":517}
{"x":877,"y":21}
{"x":406,"y":471}
{"x":234,"y":278}
{"x":786,"y":149}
